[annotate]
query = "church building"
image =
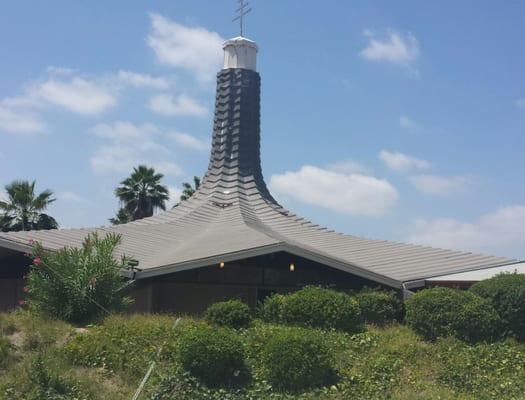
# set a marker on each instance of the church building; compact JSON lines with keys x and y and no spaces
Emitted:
{"x":232,"y":239}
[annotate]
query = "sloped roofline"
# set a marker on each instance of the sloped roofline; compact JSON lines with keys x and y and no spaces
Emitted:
{"x":264,"y":250}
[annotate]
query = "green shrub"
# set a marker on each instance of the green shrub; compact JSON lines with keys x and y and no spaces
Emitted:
{"x":297,"y":359}
{"x":506,"y":293}
{"x":77,"y":284}
{"x":5,"y":350}
{"x":39,"y":380}
{"x":441,"y":312}
{"x":126,"y":345}
{"x":483,"y":371}
{"x":270,"y":310}
{"x":214,"y":355}
{"x":380,"y":307}
{"x":232,"y":313}
{"x":322,"y":308}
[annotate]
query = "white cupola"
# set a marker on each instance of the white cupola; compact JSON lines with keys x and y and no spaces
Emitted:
{"x":240,"y":52}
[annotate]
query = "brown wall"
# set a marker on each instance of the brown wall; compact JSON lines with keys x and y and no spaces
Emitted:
{"x":250,"y":280}
{"x":11,"y":292}
{"x":13,"y":266}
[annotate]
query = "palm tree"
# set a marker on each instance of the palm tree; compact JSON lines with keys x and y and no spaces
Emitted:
{"x":23,"y":209}
{"x":142,"y":194}
{"x":122,"y":217}
{"x":189,"y":190}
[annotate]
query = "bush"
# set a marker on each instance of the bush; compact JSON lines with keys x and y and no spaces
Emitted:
{"x":214,"y":355}
{"x":77,"y":285}
{"x":506,"y":293}
{"x":5,"y":350}
{"x":483,"y":371}
{"x":233,"y":313}
{"x":297,"y":359}
{"x":322,"y":308}
{"x":38,"y":379}
{"x":270,"y":310}
{"x":379,"y":307}
{"x":441,"y":312}
{"x":126,"y":345}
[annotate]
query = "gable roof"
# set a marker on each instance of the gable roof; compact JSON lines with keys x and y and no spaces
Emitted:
{"x":233,"y":215}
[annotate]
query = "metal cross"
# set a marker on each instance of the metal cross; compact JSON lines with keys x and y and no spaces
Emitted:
{"x":242,"y":11}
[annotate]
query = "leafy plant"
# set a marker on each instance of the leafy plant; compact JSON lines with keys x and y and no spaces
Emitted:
{"x":142,"y":193}
{"x":24,"y":209}
{"x":40,"y":381}
{"x":441,"y":312}
{"x":232,"y":313}
{"x":380,"y":307}
{"x":126,"y":345}
{"x":5,"y":350}
{"x":485,"y":371}
{"x":297,"y":359}
{"x":214,"y":355}
{"x":315,"y":307}
{"x":78,"y":284}
{"x":188,"y":190}
{"x":270,"y":310}
{"x":122,"y":217}
{"x":506,"y":293}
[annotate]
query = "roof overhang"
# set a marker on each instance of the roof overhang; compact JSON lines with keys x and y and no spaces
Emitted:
{"x":15,"y":246}
{"x":470,"y":275}
{"x":264,"y":250}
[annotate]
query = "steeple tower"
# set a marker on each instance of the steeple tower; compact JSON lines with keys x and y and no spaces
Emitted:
{"x":235,"y":162}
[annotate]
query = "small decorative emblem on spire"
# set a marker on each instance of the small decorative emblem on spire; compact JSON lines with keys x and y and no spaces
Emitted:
{"x":242,"y":11}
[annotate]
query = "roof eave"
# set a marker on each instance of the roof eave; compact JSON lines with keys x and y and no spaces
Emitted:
{"x":15,"y":246}
{"x":258,"y":251}
{"x":207,"y":261}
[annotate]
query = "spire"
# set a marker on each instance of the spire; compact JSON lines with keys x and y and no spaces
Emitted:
{"x":235,"y":162}
{"x":242,"y":11}
{"x":240,"y":52}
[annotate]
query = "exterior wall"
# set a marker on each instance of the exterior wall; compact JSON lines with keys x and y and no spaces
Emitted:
{"x":13,"y":267}
{"x":11,"y":292}
{"x":250,"y":280}
{"x":192,"y":291}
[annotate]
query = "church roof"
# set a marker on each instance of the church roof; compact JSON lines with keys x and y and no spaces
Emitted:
{"x":233,"y":215}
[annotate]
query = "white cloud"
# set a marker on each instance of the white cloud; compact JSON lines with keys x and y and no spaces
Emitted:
{"x":129,"y":145}
{"x":166,"y":104}
{"x":395,"y":47}
{"x":501,"y":232}
{"x":406,"y":122}
{"x":168,"y":168}
{"x":190,"y":141}
{"x":123,"y":131}
{"x":15,"y":121}
{"x":520,"y":102}
{"x":348,"y":167}
{"x":441,"y":185}
{"x":352,"y":194}
{"x":142,"y":80}
{"x":402,"y":162}
{"x":79,"y":95}
{"x":118,"y":158}
{"x":71,"y":197}
{"x":196,"y":50}
{"x":114,"y":158}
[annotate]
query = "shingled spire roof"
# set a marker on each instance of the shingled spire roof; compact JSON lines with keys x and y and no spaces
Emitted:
{"x":233,"y":216}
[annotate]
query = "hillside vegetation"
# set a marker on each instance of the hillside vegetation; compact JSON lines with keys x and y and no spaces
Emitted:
{"x":48,"y":359}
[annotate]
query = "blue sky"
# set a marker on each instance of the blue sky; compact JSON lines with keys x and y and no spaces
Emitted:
{"x":418,"y":108}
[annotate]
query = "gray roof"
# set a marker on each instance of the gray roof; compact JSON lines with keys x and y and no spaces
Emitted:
{"x":233,"y":216}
